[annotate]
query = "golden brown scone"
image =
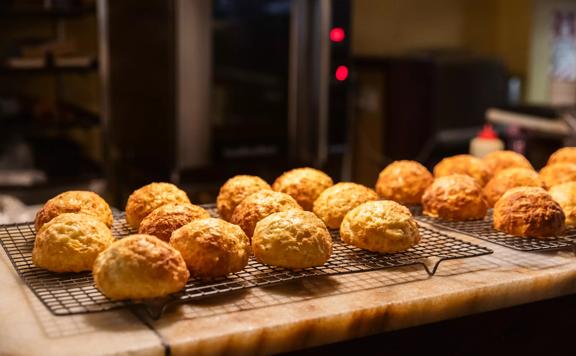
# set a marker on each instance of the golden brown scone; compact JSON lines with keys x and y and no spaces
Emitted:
{"x":212,"y":247}
{"x":500,"y":160}
{"x":70,"y":243}
{"x":404,"y":182}
{"x":235,"y":190}
{"x":558,"y":173}
{"x":292,"y":239}
{"x":528,"y":211}
{"x":463,"y":164}
{"x":149,"y":197}
{"x":565,"y":195}
{"x":508,"y":179}
{"x":162,"y":221}
{"x":336,"y":201}
{"x":303,"y":184}
{"x":380,"y":226}
{"x":74,"y":201}
{"x":139,"y":267}
{"x":455,"y":197}
{"x":259,"y":205}
{"x":563,"y":155}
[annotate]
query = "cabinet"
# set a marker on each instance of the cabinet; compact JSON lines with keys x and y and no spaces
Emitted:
{"x":50,"y":127}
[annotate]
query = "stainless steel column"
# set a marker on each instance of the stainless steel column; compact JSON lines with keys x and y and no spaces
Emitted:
{"x":193,"y":82}
{"x":309,"y":81}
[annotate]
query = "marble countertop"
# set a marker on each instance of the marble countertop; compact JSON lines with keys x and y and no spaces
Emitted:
{"x":300,"y":314}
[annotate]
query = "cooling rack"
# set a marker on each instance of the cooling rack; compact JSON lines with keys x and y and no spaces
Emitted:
{"x":75,"y":293}
{"x":483,"y":229}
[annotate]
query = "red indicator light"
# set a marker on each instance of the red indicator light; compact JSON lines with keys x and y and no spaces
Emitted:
{"x":341,"y":73}
{"x":337,"y":34}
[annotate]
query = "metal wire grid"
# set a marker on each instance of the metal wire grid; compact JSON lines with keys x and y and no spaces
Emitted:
{"x":61,"y":293}
{"x":75,"y":293}
{"x":483,"y":229}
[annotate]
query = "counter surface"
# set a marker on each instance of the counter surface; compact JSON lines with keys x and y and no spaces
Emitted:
{"x":292,"y":316}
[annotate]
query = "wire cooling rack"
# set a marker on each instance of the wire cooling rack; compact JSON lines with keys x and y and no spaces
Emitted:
{"x":483,"y":229}
{"x":75,"y":293}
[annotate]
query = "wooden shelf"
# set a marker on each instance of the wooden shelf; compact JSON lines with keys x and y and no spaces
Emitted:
{"x":50,"y":69}
{"x":34,"y":14}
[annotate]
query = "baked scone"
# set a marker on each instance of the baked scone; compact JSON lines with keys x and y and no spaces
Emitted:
{"x":528,"y":211}
{"x":162,"y":221}
{"x":149,"y":197}
{"x":404,"y":182}
{"x":565,"y":195}
{"x":235,"y":190}
{"x":292,"y":239}
{"x":74,"y":201}
{"x":212,"y":247}
{"x":455,"y":197}
{"x":380,"y":226}
{"x":500,"y":160}
{"x":303,"y":184}
{"x":558,"y":173}
{"x":336,"y":201}
{"x":508,"y":179}
{"x":463,"y":164}
{"x":563,"y":155}
{"x":70,"y":243}
{"x":139,"y":267}
{"x":259,"y":205}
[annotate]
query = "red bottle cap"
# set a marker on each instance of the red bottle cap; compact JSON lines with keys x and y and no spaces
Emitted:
{"x":488,"y":133}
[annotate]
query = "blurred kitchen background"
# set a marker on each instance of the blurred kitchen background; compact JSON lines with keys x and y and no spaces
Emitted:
{"x":111,"y":95}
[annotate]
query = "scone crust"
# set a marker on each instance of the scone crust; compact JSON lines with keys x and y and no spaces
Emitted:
{"x":558,"y":173}
{"x":74,"y":201}
{"x":528,"y":211}
{"x":463,"y":164}
{"x":563,"y":155}
{"x":163,"y":221}
{"x":70,"y":243}
{"x":404,"y":182}
{"x":500,"y":160}
{"x":149,"y":197}
{"x":212,"y":247}
{"x":508,"y":179}
{"x":303,"y":184}
{"x":292,"y":239}
{"x":139,"y":267}
{"x":565,"y":195}
{"x":455,"y":197}
{"x":334,"y":202}
{"x":235,"y":190}
{"x":259,"y":205}
{"x":380,"y":226}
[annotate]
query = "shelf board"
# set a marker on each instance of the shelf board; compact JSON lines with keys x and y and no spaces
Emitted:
{"x":33,"y":14}
{"x":33,"y":128}
{"x":24,"y":123}
{"x":50,"y":69}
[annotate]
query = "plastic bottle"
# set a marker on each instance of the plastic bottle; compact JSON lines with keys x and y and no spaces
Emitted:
{"x":487,"y":141}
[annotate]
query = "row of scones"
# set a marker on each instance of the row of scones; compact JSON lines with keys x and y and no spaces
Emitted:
{"x":526,"y":203}
{"x":286,"y":224}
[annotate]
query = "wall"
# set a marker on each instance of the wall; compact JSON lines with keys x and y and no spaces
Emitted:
{"x":498,"y":28}
{"x":385,"y":27}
